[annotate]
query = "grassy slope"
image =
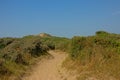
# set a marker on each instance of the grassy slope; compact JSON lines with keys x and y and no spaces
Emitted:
{"x":17,"y":54}
{"x":95,"y":56}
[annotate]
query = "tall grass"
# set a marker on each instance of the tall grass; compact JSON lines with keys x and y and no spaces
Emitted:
{"x":56,"y":43}
{"x":16,"y":54}
{"x":96,"y":56}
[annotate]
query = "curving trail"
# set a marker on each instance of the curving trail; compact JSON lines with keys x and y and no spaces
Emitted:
{"x":50,"y":69}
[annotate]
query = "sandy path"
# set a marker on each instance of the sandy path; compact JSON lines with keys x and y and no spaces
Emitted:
{"x":49,"y":69}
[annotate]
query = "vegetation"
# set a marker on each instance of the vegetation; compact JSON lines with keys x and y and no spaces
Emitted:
{"x":17,"y":54}
{"x":58,"y":43}
{"x":95,"y":56}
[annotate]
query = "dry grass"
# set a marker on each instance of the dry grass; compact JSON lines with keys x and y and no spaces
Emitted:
{"x":95,"y":57}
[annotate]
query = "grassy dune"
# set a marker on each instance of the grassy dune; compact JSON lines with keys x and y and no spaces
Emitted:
{"x":96,"y":56}
{"x":17,"y":54}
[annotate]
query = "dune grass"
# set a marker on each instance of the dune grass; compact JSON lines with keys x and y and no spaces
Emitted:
{"x":17,"y":54}
{"x":95,"y":56}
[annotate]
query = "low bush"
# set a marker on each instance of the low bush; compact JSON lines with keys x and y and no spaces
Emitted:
{"x":5,"y":41}
{"x":55,"y":43}
{"x":16,"y":54}
{"x":98,"y":55}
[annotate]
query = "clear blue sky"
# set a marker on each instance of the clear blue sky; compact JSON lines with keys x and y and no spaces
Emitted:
{"x":58,"y":17}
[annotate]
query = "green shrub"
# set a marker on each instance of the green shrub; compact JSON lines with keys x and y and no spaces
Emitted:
{"x":59,"y":43}
{"x":99,"y":54}
{"x":5,"y":41}
{"x":102,"y":33}
{"x":18,"y":53}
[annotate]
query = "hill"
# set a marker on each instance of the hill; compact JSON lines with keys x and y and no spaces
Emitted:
{"x":17,"y":54}
{"x":90,"y":57}
{"x":95,"y":57}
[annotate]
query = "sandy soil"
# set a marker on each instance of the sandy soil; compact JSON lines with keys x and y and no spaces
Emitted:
{"x":50,"y":69}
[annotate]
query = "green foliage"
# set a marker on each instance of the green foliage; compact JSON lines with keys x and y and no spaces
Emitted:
{"x":34,"y":46}
{"x":57,"y":43}
{"x":5,"y":41}
{"x":15,"y":54}
{"x":102,"y":33}
{"x":80,"y":45}
{"x":99,"y":53}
